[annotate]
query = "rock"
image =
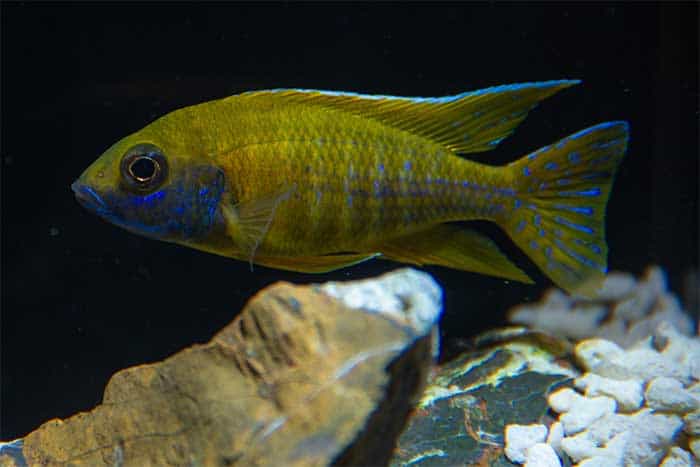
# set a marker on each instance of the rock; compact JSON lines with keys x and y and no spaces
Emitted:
{"x":616,"y":286}
{"x":607,"y":359}
{"x":694,"y":445}
{"x":555,"y":435}
{"x":600,"y":461}
{"x":579,"y":412}
{"x":668,"y":394}
{"x":691,"y":423}
{"x":637,"y":305}
{"x":301,"y":377}
{"x":678,"y":347}
{"x":694,"y":389}
{"x":595,"y":353}
{"x":607,"y":427}
{"x":463,"y":415}
{"x":542,"y":455}
{"x":11,"y":454}
{"x":578,"y":447}
{"x":576,"y":323}
{"x":610,"y":455}
{"x":677,"y":457}
{"x":653,"y":434}
{"x":638,"y":439}
{"x":627,"y":393}
{"x":584,"y":413}
{"x":519,"y":438}
{"x":655,"y":279}
{"x":563,"y":400}
{"x":622,"y":310}
{"x":668,"y":310}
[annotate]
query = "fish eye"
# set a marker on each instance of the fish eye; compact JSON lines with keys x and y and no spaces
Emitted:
{"x":144,"y":167}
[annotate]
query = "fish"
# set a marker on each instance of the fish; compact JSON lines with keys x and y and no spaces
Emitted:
{"x":313,"y":181}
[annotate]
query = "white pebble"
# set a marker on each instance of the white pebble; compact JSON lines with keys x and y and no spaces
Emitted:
{"x":578,"y":412}
{"x":582,"y":447}
{"x":579,"y":447}
{"x":643,"y":328}
{"x":647,"y":364}
{"x":644,"y":361}
{"x":694,"y":389}
{"x":615,"y":330}
{"x":673,"y":342}
{"x":608,"y":359}
{"x":677,"y":457}
{"x":616,"y":286}
{"x":695,"y":369}
{"x":669,"y":395}
{"x":668,"y":308}
{"x":653,"y":435}
{"x":694,"y":444}
{"x":563,"y":399}
{"x":655,"y":278}
{"x":638,"y":304}
{"x":556,"y":298}
{"x":614,"y":450}
{"x":691,"y":423}
{"x":639,"y":439}
{"x":594,"y":353}
{"x":586,"y":411}
{"x":542,"y":455}
{"x":600,"y":461}
{"x":555,"y":435}
{"x":627,"y":393}
{"x":679,"y":347}
{"x":576,"y":324}
{"x":521,"y":437}
{"x":607,"y":427}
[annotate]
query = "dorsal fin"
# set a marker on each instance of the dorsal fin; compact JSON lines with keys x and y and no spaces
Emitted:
{"x":470,"y":122}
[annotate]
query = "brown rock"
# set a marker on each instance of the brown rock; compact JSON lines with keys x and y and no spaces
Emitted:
{"x":299,"y":378}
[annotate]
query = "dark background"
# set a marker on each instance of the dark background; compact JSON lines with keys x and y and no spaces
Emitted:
{"x":82,"y":299}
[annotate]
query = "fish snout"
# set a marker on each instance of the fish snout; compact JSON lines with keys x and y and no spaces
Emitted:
{"x":88,"y":197}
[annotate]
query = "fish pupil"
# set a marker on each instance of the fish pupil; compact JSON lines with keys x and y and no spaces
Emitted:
{"x":143,"y":168}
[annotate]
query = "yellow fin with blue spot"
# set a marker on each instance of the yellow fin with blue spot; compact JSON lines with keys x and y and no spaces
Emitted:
{"x":470,"y":122}
{"x":453,"y":247}
{"x":558,"y":212}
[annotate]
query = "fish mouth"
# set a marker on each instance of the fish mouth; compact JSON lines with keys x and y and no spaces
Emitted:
{"x":88,"y":198}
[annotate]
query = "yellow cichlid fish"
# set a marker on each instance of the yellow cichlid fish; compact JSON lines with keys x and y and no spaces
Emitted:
{"x":314,"y":181}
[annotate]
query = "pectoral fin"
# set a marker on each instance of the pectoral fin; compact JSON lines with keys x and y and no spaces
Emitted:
{"x":455,"y":248}
{"x":247,"y":222}
{"x":314,"y":264}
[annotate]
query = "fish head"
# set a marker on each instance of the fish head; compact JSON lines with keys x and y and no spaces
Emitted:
{"x":147,"y":185}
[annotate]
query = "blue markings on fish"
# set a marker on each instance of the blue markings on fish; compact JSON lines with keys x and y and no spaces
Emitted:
{"x":568,"y":223}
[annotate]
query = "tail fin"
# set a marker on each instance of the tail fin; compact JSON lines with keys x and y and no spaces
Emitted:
{"x":558,"y":217}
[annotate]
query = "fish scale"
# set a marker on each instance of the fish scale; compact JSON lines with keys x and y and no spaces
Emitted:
{"x":370,"y":202}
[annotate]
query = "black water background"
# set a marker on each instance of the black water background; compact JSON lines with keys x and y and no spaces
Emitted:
{"x":82,"y":299}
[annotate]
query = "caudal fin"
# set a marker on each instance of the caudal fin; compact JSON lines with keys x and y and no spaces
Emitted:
{"x":558,"y":216}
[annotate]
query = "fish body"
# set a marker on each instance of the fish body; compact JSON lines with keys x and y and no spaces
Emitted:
{"x":316,"y":180}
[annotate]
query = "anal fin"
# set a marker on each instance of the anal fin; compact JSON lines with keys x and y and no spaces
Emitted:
{"x":453,"y":247}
